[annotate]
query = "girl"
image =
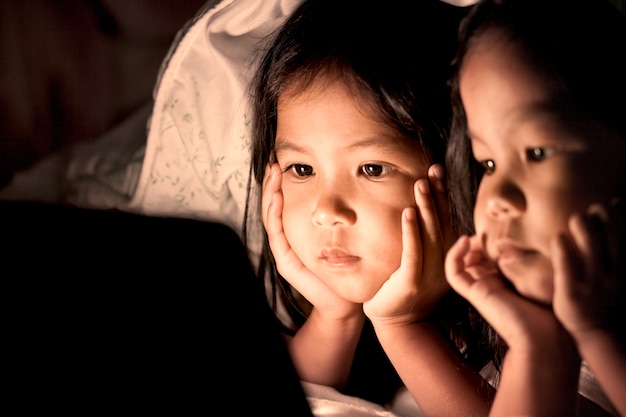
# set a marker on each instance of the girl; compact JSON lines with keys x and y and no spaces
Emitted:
{"x":537,"y":150}
{"x":351,"y":110}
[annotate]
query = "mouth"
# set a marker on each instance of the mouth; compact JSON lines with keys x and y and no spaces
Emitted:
{"x":508,"y":252}
{"x":337,"y":257}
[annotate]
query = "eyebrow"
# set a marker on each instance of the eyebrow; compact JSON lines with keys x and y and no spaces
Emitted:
{"x":392,"y":145}
{"x":528,"y":114}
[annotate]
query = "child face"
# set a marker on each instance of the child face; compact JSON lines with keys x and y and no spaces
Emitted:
{"x":346,"y":179}
{"x":538,"y":170}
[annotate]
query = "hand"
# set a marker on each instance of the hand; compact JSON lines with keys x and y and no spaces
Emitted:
{"x":413,"y":290}
{"x":287,"y":261}
{"x":589,"y":271}
{"x":474,"y":276}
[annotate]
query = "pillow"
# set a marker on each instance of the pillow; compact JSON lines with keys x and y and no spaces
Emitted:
{"x":197,"y":155}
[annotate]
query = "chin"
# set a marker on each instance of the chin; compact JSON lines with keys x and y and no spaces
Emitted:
{"x":539,"y":293}
{"x":532,"y":282}
{"x":355,"y":288}
{"x":358,"y":298}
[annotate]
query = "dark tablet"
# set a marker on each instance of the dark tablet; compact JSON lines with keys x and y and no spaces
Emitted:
{"x":113,"y":312}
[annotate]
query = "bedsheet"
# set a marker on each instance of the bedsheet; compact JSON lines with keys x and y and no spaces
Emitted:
{"x":328,"y":402}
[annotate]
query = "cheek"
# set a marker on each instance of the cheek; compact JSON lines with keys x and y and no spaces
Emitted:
{"x":535,"y":281}
{"x":480,"y":213}
{"x":552,"y":205}
{"x":385,"y":236}
{"x":294,"y":222}
{"x":380,"y":242}
{"x":572,"y":188}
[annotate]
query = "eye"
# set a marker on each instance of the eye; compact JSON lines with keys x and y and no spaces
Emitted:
{"x":301,"y":170}
{"x":538,"y":154}
{"x":489,"y":165}
{"x":374,"y":170}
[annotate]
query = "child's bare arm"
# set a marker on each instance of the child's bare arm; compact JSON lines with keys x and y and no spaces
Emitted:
{"x":430,"y":366}
{"x":606,"y":356}
{"x":590,"y":273}
{"x":541,"y":381}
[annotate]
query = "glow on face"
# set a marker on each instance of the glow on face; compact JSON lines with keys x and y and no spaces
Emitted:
{"x":346,"y":180}
{"x":538,"y":169}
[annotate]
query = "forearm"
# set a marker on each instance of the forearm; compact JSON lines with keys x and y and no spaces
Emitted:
{"x":434,"y":372}
{"x":606,"y":356}
{"x":538,"y":383}
{"x":323,"y":350}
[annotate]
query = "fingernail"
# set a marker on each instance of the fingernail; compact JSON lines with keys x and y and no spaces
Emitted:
{"x":423,"y":187}
{"x":438,"y":172}
{"x":599,"y":211}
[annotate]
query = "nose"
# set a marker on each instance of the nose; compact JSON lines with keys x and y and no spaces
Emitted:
{"x":503,"y":199}
{"x":332,"y":207}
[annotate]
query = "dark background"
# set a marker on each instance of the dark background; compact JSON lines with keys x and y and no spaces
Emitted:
{"x":72,"y":69}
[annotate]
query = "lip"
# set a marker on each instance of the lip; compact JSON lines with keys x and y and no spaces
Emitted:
{"x":337,"y":257}
{"x":509,"y":252}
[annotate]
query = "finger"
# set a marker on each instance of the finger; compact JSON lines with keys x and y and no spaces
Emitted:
{"x":412,"y":257}
{"x":437,"y":179}
{"x":271,"y":185}
{"x":588,"y":238}
{"x":468,"y":263}
{"x":428,"y":222}
{"x":273,"y":217}
{"x":269,"y":173}
{"x":274,"y":225}
{"x":566,"y":264}
{"x":403,"y":294}
{"x":486,"y":292}
{"x":432,"y":276}
{"x":433,"y":250}
{"x":402,"y":280}
{"x":455,"y":272}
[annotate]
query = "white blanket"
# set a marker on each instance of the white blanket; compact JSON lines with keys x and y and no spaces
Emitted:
{"x":328,"y":402}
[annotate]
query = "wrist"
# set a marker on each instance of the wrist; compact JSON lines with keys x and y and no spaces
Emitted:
{"x":394,"y":329}
{"x":352,"y":319}
{"x":556,"y":346}
{"x":590,"y":339}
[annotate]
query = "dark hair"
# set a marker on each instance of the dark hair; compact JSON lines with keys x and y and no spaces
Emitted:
{"x":576,"y":46}
{"x":395,"y":57}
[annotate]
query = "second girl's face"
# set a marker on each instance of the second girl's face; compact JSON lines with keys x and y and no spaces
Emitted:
{"x":346,"y":180}
{"x":538,"y":168}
